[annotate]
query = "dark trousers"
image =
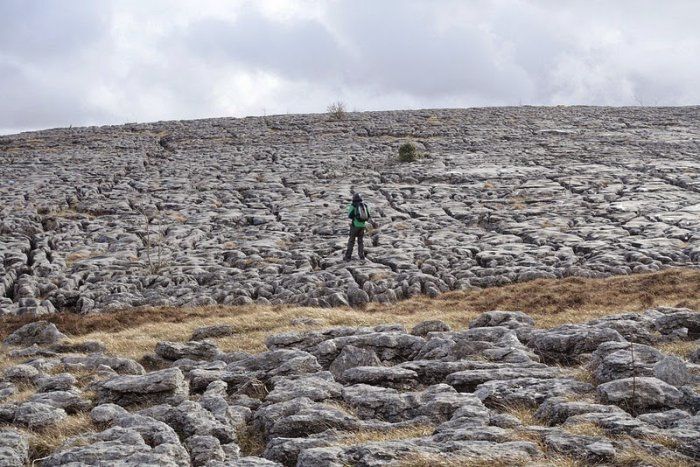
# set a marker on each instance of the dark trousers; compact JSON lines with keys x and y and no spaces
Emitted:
{"x":359,"y":234}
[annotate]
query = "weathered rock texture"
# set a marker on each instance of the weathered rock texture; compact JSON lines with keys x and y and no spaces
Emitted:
{"x":376,"y":396}
{"x":247,"y":210}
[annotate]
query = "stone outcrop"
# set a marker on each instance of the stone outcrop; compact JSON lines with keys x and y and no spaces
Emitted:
{"x":241,"y":211}
{"x":371,"y":395}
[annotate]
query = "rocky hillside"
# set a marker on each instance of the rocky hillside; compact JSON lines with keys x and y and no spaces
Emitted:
{"x":498,"y":391}
{"x":236,"y":211}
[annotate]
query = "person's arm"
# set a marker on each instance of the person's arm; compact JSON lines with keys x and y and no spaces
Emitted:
{"x":351,"y":211}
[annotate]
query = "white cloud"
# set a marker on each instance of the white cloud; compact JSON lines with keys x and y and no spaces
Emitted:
{"x":85,"y":62}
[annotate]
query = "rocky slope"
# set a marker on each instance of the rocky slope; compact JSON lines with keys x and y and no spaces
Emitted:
{"x":500,"y":391}
{"x":247,"y":210}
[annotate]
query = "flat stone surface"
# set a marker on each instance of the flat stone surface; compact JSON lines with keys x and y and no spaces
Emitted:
{"x":237,"y":211}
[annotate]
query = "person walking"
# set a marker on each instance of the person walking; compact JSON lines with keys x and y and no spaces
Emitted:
{"x":359,"y":212}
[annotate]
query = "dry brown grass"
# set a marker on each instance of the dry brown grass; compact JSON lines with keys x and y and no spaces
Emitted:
{"x":635,"y":457}
{"x":525,"y":414}
{"x":251,"y":442}
{"x":584,"y":375}
{"x":372,"y":436}
{"x":586,"y":429}
{"x":444,"y":460}
{"x":134,"y":332}
{"x":24,"y":392}
{"x":682,"y":349}
{"x":44,"y":442}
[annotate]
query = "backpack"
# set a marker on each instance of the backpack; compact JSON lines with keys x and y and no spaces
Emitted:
{"x":362,"y":212}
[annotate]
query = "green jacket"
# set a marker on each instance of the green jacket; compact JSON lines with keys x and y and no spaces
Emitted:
{"x":356,"y":222}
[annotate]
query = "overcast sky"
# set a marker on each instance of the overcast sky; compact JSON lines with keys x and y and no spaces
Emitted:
{"x":70,"y":62}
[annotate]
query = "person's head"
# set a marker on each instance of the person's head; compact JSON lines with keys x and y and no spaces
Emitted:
{"x":357,"y":198}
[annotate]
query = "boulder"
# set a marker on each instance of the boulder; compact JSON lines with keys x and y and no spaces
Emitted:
{"x":640,"y":395}
{"x":351,"y":357}
{"x":190,"y":419}
{"x":164,"y":386}
{"x":529,"y":392}
{"x":71,"y":401}
{"x":468,"y":380}
{"x":37,"y":416}
{"x":587,"y":448}
{"x":508,"y":319}
{"x":617,"y":360}
{"x":390,"y":377}
{"x":37,"y":332}
{"x":194,"y":350}
{"x":566,"y":344}
{"x":674,"y":320}
{"x":422,"y":329}
{"x":204,"y":449}
{"x":673,"y":371}
{"x":556,"y":410}
{"x":437,"y":403}
{"x":317,"y":387}
{"x":14,"y":448}
{"x":117,"y":446}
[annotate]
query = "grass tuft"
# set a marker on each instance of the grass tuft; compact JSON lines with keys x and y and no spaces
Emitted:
{"x":44,"y":442}
{"x":374,"y":436}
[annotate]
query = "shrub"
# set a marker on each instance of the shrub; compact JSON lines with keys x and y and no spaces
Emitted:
{"x":408,"y":152}
{"x":337,"y":111}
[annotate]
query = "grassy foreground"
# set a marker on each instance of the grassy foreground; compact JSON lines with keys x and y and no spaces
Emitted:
{"x":135,"y":332}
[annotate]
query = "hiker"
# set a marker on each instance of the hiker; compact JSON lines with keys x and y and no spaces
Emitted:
{"x":358,"y":211}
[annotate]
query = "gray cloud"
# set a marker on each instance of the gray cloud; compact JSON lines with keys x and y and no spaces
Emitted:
{"x":83,"y":62}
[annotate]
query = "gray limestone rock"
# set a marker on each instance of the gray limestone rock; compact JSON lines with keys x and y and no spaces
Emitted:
{"x":509,"y":319}
{"x":317,"y":387}
{"x":586,"y":448}
{"x":673,"y":320}
{"x":351,"y":357}
{"x":567,"y":343}
{"x":106,"y":413}
{"x":190,"y":419}
{"x":468,"y":380}
{"x":422,"y":329}
{"x":389,"y":346}
{"x":204,"y":449}
{"x":37,"y":415}
{"x":93,"y":362}
{"x":617,"y":360}
{"x":167,"y":385}
{"x":71,"y":401}
{"x":59,"y":382}
{"x":21,"y":373}
{"x":118,"y":446}
{"x":666,"y":419}
{"x":195,"y":350}
{"x":14,"y":448}
{"x":673,"y":371}
{"x":529,"y":392}
{"x":438,"y":402}
{"x":38,"y":332}
{"x":286,"y":450}
{"x":227,"y":232}
{"x":556,"y":410}
{"x":643,"y":394}
{"x":390,"y":377}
